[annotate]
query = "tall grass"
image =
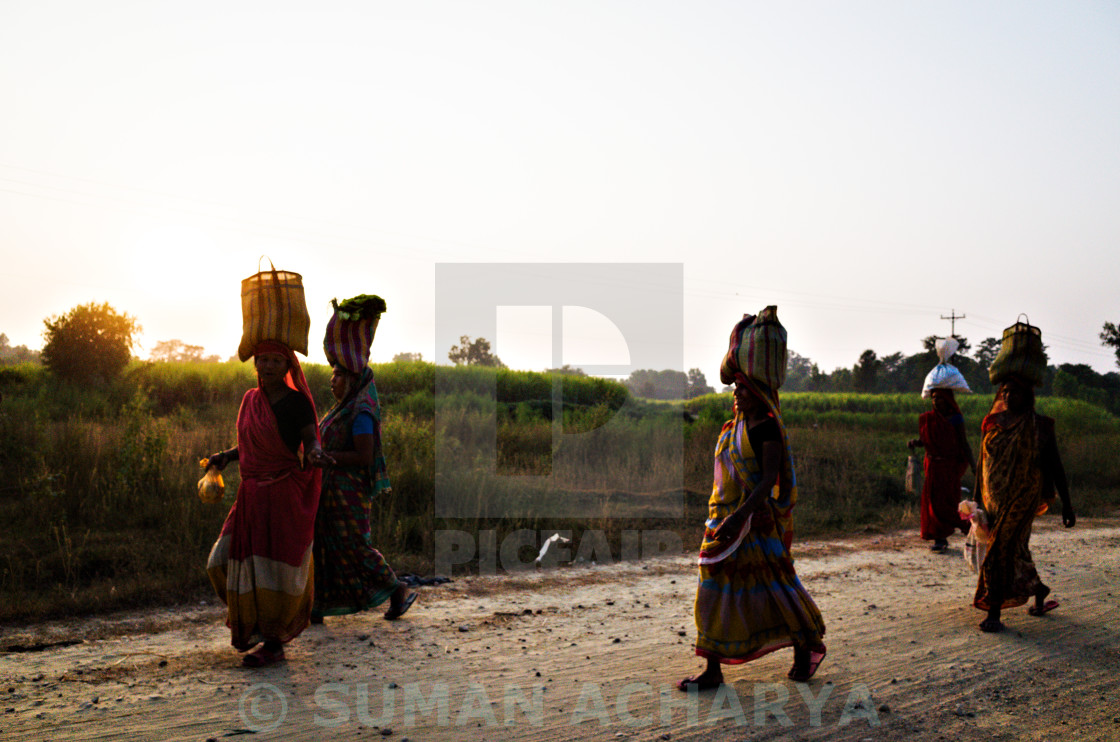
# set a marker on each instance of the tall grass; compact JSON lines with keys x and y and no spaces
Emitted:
{"x":97,"y":487}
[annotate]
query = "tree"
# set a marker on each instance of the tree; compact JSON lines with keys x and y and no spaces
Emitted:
{"x":177,"y":350}
{"x":1110,"y":336}
{"x":407,"y":357}
{"x":650,"y":384}
{"x":697,"y":384}
{"x":17,"y":353}
{"x":798,"y":371}
{"x":865,"y":372}
{"x":476,"y":353}
{"x":987,"y":352}
{"x":566,"y":370}
{"x":89,"y":343}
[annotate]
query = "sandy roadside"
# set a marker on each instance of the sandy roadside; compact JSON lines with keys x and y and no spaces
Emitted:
{"x":588,"y":653}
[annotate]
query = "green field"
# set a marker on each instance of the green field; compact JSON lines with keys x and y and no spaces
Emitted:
{"x":98,"y":503}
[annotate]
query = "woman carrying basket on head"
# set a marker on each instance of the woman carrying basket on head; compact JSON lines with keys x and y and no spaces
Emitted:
{"x":350,"y":574}
{"x":261,"y":563}
{"x":1018,"y":470}
{"x":749,"y":601}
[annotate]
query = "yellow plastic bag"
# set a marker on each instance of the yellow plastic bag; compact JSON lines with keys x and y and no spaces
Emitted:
{"x":211,"y":488}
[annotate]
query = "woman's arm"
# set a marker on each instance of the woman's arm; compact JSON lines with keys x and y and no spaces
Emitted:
{"x":221,"y":459}
{"x":962,"y":441}
{"x":312,"y":451}
{"x":1052,"y":467}
{"x":362,"y":455}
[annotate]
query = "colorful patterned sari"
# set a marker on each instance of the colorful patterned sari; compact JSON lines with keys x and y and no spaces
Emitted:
{"x":749,"y":601}
{"x":261,"y":563}
{"x":1012,"y":488}
{"x":350,"y":575}
{"x":944,"y":464}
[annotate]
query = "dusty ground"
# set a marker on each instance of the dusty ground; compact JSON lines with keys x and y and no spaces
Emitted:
{"x":593,"y":653}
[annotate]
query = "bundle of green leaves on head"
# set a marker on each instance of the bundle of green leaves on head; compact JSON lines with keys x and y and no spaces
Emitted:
{"x":362,"y":306}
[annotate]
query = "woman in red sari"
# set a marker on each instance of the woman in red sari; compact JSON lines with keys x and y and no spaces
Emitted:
{"x":1018,"y":471}
{"x":941,"y":433}
{"x":261,"y":563}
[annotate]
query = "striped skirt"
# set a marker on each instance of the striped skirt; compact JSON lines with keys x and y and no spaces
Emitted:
{"x":751,"y":603}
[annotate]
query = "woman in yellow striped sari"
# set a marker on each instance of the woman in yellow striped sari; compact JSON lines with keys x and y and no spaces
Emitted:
{"x":749,"y":601}
{"x":1018,"y":470}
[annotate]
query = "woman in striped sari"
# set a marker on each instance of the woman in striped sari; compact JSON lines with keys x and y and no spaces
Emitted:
{"x":350,"y":574}
{"x":260,"y":565}
{"x":749,"y":601}
{"x":1017,"y":472}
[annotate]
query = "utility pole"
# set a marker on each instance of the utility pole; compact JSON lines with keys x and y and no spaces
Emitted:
{"x":953,"y":317}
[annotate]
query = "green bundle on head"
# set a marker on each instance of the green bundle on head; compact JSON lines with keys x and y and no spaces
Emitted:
{"x":363,"y":306}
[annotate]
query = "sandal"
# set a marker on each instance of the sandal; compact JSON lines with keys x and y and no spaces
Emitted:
{"x":1046,"y":608}
{"x":396,"y":612}
{"x":815,"y":660}
{"x":263,"y":657}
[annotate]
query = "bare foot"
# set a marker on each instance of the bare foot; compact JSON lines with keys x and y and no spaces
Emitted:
{"x":710,"y":678}
{"x":991,"y":625}
{"x":267,"y":654}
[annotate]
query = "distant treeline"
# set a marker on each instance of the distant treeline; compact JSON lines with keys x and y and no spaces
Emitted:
{"x":901,"y":374}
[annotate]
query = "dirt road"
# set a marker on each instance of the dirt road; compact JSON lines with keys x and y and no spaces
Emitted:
{"x":589,"y":653}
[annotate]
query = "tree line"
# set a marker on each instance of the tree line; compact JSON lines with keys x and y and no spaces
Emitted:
{"x":93,"y":342}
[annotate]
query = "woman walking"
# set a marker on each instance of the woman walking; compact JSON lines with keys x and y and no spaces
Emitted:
{"x":1019,"y":469}
{"x":749,"y":601}
{"x":260,"y":565}
{"x":941,"y":432}
{"x":350,"y":574}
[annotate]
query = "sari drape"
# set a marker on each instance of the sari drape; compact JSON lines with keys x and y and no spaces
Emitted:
{"x":749,"y":600}
{"x":1012,"y":491}
{"x":943,"y":467}
{"x":261,"y":564}
{"x":350,"y":574}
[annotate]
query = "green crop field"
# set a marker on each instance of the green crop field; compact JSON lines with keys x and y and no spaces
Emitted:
{"x":98,"y":503}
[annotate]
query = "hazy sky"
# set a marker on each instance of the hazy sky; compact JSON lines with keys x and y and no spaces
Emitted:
{"x":866,"y":166}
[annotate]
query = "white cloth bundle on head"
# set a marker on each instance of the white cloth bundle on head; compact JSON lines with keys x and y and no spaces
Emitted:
{"x":944,"y":375}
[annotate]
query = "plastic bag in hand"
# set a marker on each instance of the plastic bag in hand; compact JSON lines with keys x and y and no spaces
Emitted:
{"x":211,"y":488}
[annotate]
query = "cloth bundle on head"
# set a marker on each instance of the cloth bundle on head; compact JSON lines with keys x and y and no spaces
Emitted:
{"x":1020,"y":355}
{"x":350,"y":331}
{"x":945,"y":375}
{"x":757,"y":350}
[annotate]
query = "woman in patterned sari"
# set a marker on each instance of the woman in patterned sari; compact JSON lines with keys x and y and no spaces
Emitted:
{"x":260,"y":565}
{"x":749,"y":601}
{"x":1018,"y":470}
{"x":351,"y":575}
